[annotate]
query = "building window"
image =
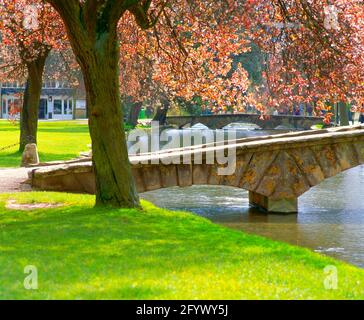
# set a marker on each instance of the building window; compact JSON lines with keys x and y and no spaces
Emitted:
{"x":11,"y":85}
{"x":50,"y":84}
{"x":67,"y":107}
{"x":10,"y":104}
{"x":57,"y":106}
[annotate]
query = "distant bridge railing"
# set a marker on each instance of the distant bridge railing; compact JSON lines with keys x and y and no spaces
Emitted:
{"x":218,"y":121}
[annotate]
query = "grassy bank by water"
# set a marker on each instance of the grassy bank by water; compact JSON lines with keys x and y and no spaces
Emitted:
{"x":61,"y":140}
{"x":86,"y":253}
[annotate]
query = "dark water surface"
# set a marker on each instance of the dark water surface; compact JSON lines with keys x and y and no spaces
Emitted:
{"x":330,"y":219}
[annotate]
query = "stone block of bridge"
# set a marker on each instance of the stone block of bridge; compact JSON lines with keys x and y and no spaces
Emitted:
{"x":269,"y":204}
{"x":77,"y":178}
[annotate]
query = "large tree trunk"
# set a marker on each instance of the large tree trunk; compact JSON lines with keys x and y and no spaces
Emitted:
{"x":30,"y":110}
{"x":161,"y":115}
{"x":134,"y":113}
{"x":114,"y":181}
{"x":92,"y":31}
{"x":343,"y":111}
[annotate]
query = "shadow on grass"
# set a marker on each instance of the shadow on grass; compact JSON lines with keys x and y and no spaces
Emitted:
{"x":48,"y":156}
{"x":79,"y":129}
{"x":8,"y":160}
{"x":13,"y":160}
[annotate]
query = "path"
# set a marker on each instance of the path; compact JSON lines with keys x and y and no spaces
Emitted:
{"x":11,"y":179}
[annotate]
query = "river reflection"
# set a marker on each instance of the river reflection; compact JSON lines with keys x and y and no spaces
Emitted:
{"x":330,"y":219}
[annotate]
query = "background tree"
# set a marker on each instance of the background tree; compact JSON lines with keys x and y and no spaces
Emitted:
{"x":182,"y":57}
{"x":302,"y":54}
{"x":314,"y":51}
{"x":92,"y":30}
{"x":209,"y":32}
{"x":30,"y":29}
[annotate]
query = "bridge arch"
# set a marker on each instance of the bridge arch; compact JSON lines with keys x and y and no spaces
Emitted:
{"x":275,"y":179}
{"x":324,"y":197}
{"x":341,"y":191}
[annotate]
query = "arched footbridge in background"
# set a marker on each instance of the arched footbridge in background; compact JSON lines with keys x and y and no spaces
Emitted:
{"x":219,"y":121}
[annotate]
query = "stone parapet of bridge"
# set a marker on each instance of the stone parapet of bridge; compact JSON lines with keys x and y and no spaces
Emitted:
{"x":276,"y":170}
{"x":219,"y":121}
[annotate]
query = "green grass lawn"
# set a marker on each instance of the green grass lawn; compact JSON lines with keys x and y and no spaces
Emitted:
{"x":86,"y":253}
{"x":56,"y":141}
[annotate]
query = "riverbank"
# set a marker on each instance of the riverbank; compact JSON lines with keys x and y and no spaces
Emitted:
{"x":85,"y":253}
{"x":325,"y":223}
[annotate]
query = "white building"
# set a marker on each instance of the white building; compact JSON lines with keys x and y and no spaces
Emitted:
{"x":58,"y":101}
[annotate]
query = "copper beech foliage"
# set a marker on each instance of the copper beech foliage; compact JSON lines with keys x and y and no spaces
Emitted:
{"x":314,"y":53}
{"x":314,"y":50}
{"x":188,"y":53}
{"x":30,"y":29}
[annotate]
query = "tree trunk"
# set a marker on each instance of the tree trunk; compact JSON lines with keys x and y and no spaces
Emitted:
{"x":344,"y":118}
{"x":74,"y":101}
{"x":161,"y":115}
{"x":114,"y":181}
{"x":92,"y":31}
{"x":30,"y":110}
{"x":134,"y":113}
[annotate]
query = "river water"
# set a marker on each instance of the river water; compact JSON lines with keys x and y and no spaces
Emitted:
{"x":330,"y":219}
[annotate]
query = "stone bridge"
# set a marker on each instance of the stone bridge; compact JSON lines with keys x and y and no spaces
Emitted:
{"x":219,"y":121}
{"x":276,"y":170}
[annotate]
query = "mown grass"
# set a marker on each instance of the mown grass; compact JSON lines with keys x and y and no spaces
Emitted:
{"x":56,"y":141}
{"x":86,"y":253}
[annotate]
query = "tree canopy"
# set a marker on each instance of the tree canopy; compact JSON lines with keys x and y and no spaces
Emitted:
{"x":312,"y":53}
